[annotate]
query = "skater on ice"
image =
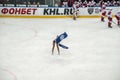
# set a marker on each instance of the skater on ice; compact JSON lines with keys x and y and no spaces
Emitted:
{"x":75,"y":10}
{"x":117,"y":15}
{"x":110,"y":18}
{"x":103,"y":12}
{"x":57,"y":42}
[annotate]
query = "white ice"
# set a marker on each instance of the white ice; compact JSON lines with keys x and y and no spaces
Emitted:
{"x":25,"y":50}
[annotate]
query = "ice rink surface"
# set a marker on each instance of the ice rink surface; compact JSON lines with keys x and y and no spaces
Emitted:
{"x":25,"y":50}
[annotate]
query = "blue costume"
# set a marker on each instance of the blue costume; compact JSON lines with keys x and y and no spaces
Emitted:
{"x":60,"y":38}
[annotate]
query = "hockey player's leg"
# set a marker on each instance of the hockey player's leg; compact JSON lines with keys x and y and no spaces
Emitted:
{"x":74,"y":16}
{"x":103,"y":16}
{"x":102,"y":19}
{"x":118,"y":22}
{"x":109,"y":24}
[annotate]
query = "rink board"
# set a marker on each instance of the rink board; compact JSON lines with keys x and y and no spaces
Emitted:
{"x":8,"y":16}
{"x":52,"y":12}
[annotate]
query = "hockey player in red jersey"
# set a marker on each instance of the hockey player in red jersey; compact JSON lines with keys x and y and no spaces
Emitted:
{"x":75,"y":9}
{"x":103,"y":14}
{"x":117,"y":15}
{"x":110,"y":18}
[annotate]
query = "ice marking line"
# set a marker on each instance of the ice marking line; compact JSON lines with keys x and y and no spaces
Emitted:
{"x":10,"y":73}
